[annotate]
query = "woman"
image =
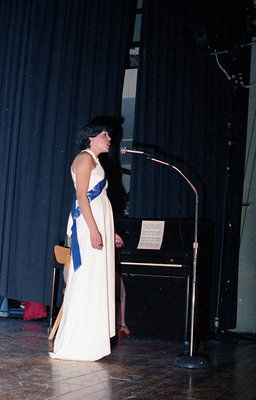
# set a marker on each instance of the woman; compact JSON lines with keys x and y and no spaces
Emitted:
{"x":88,"y":320}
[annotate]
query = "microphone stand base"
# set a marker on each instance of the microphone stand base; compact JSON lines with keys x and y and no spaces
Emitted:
{"x":192,"y":362}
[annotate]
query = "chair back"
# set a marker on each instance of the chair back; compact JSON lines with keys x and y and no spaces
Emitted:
{"x":62,"y":254}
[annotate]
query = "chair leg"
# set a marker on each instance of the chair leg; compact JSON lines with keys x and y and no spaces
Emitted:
{"x":52,"y":297}
{"x":56,"y":324}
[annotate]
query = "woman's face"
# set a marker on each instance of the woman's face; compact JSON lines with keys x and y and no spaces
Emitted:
{"x":100,"y":143}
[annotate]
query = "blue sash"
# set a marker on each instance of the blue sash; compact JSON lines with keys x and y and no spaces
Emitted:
{"x":75,"y":213}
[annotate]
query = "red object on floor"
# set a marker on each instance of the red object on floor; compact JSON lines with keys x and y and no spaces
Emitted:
{"x":34,"y":310}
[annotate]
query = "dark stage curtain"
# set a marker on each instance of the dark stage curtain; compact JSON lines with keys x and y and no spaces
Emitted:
{"x":62,"y":63}
{"x":189,"y":114}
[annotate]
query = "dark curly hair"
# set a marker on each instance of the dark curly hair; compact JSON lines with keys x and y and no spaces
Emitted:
{"x":92,"y":129}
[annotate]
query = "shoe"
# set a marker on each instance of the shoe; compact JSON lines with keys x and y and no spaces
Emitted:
{"x":123,"y":332}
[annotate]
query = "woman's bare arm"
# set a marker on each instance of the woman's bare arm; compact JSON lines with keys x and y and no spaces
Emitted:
{"x":83,"y":166}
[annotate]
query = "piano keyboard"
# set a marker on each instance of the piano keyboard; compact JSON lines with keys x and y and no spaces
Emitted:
{"x":151,"y":264}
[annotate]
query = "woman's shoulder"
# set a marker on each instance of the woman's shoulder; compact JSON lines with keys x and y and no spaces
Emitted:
{"x":82,"y":160}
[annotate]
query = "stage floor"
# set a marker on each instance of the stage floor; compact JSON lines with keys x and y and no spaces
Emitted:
{"x":136,"y":369}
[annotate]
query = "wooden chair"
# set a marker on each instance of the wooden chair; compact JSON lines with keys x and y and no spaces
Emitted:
{"x":62,"y":256}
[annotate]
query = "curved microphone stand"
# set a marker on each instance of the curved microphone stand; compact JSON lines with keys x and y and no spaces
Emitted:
{"x":185,"y":360}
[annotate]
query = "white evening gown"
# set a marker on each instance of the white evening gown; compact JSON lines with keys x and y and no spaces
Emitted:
{"x":88,"y":320}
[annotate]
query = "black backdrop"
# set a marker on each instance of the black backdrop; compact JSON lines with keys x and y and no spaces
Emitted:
{"x":62,"y":63}
{"x":189,"y":114}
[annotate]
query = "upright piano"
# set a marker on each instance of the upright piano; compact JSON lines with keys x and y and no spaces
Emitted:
{"x":157,"y":282}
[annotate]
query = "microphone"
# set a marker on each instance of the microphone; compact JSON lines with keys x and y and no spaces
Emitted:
{"x":124,"y":150}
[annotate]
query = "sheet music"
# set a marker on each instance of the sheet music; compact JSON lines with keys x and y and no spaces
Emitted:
{"x":151,"y":235}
